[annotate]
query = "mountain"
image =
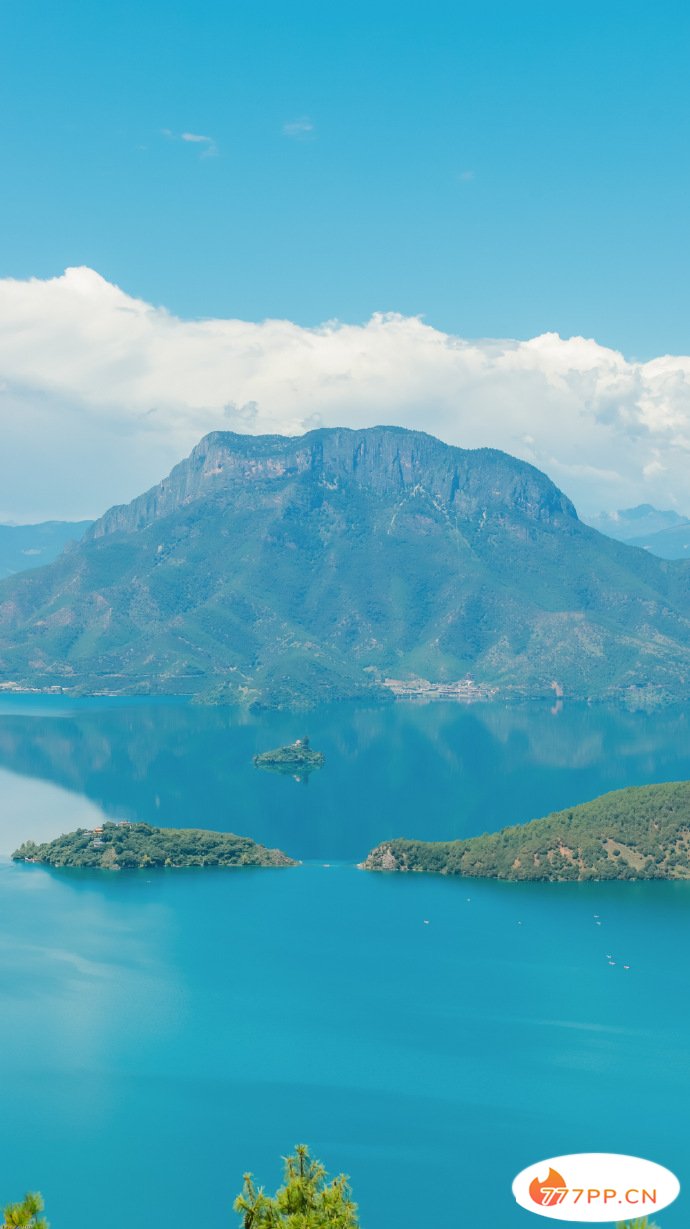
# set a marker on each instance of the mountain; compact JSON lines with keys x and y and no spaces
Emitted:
{"x":672,"y":543}
{"x":30,"y":546}
{"x":280,"y":571}
{"x":665,"y":534}
{"x":637,"y":833}
{"x":629,"y":524}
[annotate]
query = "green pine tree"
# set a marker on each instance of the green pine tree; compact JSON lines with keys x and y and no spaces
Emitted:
{"x":307,"y":1199}
{"x":25,"y":1215}
{"x":252,"y":1204}
{"x":641,"y":1223}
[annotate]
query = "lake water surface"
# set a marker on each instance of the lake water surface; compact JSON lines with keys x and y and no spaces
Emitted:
{"x":161,"y":1033}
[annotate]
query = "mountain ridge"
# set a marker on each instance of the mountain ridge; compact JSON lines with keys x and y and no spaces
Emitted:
{"x":665,"y":534}
{"x":266,"y":456}
{"x":643,"y":520}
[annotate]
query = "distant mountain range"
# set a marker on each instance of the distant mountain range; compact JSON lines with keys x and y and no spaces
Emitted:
{"x":280,"y":571}
{"x":664,"y":533}
{"x":30,"y":546}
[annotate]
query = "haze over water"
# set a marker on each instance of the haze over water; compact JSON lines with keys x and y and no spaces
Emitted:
{"x":162,"y":1033}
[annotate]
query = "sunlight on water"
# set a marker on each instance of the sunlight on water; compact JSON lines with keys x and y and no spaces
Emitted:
{"x":38,"y":810}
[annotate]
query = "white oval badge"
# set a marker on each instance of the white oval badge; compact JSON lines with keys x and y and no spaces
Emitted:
{"x":595,"y":1187}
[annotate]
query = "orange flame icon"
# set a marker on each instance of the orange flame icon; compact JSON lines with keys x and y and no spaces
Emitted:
{"x":550,"y":1192}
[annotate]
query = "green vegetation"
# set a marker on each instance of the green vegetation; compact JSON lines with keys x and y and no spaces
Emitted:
{"x":273,"y":571}
{"x":307,"y":1200}
{"x":296,"y":758}
{"x":121,"y":846}
{"x":637,"y":833}
{"x":25,"y":1215}
{"x":643,"y":1223}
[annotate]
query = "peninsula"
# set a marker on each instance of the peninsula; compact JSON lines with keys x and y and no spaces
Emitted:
{"x":124,"y":846}
{"x":638,"y":833}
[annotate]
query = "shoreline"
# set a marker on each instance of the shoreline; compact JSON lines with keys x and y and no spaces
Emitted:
{"x":633,"y":698}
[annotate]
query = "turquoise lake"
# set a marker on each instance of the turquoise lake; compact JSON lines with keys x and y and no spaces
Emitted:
{"x":162,"y":1033}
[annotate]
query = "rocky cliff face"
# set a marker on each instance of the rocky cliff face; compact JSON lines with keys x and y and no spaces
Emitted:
{"x":284,"y":570}
{"x":387,"y":462}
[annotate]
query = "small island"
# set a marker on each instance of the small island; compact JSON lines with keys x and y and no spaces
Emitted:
{"x":297,"y":759}
{"x":128,"y":846}
{"x":638,"y":833}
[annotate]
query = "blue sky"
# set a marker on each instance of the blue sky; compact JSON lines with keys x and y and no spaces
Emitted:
{"x":503,"y":169}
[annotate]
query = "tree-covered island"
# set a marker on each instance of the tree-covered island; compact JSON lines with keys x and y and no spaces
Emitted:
{"x":297,"y":759}
{"x":125,"y":846}
{"x":638,"y":833}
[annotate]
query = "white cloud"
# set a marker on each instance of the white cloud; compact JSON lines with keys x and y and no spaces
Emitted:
{"x":101,"y":393}
{"x":299,"y":129}
{"x":209,"y":146}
